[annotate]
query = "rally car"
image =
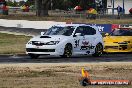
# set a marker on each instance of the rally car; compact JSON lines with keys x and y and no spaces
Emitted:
{"x":119,"y":40}
{"x":67,"y":40}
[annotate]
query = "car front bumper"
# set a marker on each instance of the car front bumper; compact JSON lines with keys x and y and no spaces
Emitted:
{"x":45,"y":50}
{"x":118,"y":47}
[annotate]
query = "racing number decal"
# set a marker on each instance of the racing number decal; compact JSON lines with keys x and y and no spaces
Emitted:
{"x":76,"y":43}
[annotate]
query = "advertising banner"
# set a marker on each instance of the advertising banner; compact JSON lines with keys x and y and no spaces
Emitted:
{"x":104,"y":27}
{"x":115,"y":26}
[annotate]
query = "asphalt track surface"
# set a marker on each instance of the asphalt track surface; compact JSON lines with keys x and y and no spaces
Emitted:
{"x":74,"y":59}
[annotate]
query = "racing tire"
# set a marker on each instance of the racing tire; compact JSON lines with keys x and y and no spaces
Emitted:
{"x":67,"y":51}
{"x":98,"y":50}
{"x":33,"y":56}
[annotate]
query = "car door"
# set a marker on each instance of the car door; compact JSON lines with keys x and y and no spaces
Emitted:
{"x":84,"y":43}
{"x":78,"y":38}
{"x":90,"y":37}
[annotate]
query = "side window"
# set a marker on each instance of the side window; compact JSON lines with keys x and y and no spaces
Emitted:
{"x":85,"y":30}
{"x":79,"y":30}
{"x":89,"y":30}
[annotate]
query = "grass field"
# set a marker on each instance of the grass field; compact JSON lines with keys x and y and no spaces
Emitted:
{"x":67,"y":19}
{"x":61,"y":75}
{"x":12,"y":44}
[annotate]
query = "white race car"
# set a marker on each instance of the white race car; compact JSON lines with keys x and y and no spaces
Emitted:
{"x":67,"y":40}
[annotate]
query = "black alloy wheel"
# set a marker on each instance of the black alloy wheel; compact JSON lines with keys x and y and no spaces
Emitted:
{"x":67,"y":51}
{"x":98,"y":50}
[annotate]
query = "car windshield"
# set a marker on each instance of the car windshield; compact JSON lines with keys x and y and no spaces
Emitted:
{"x":67,"y":31}
{"x":121,"y":32}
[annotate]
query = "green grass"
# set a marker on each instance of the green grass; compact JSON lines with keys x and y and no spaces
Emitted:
{"x":12,"y":44}
{"x":66,"y":19}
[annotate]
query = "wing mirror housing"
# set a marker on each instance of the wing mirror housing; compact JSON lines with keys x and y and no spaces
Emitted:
{"x":77,"y":34}
{"x":42,"y":33}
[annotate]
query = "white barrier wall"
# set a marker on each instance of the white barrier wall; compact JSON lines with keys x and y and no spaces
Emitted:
{"x":28,"y":24}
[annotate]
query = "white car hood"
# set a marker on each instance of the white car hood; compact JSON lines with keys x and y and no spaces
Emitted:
{"x":47,"y":38}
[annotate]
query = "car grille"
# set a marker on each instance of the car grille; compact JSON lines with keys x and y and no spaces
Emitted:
{"x":123,"y":47}
{"x":39,"y":50}
{"x":123,"y":43}
{"x":112,"y":47}
{"x":37,"y":43}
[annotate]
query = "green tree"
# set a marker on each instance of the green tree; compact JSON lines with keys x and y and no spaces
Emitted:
{"x":42,"y":7}
{"x":10,"y":3}
{"x":21,"y":3}
{"x":30,"y":2}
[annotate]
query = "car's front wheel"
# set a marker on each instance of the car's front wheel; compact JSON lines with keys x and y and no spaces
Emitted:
{"x":98,"y":50}
{"x":33,"y":56}
{"x":67,"y":51}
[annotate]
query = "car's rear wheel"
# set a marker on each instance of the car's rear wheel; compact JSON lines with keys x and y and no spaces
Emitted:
{"x":33,"y":56}
{"x":67,"y":51}
{"x":98,"y":50}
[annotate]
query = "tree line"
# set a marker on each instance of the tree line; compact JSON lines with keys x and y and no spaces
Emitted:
{"x":57,"y":4}
{"x":42,"y":6}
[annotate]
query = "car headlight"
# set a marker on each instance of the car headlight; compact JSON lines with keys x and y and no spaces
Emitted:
{"x":123,"y":42}
{"x":30,"y":42}
{"x":53,"y":42}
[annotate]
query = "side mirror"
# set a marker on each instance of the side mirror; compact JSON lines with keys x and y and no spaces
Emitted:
{"x":107,"y":34}
{"x":78,"y":34}
{"x":42,"y":33}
